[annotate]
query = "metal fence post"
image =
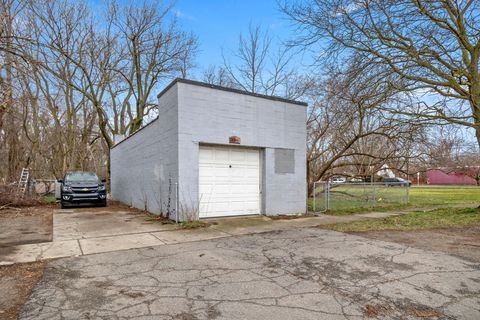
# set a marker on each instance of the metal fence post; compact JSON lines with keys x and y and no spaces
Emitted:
{"x":407,"y":195}
{"x":176,"y":202}
{"x":327,"y":195}
{"x":374,"y":195}
{"x":314,"y":199}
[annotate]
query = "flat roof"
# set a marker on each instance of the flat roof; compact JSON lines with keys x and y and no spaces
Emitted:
{"x":212,"y":86}
{"x":216,"y":87}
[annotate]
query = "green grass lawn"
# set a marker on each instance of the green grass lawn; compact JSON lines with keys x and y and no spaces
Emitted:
{"x":438,"y":195}
{"x":49,"y":200}
{"x":348,"y":199}
{"x":439,"y":218}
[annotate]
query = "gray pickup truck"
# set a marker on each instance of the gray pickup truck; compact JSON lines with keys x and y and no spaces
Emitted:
{"x":82,"y":187}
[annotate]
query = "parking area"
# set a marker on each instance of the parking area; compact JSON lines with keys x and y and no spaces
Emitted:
{"x":79,"y":231}
{"x":83,"y":231}
{"x":117,"y":262}
{"x":95,"y":222}
{"x":303,"y":273}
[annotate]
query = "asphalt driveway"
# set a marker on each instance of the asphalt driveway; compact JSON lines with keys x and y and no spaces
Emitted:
{"x":304,"y":273}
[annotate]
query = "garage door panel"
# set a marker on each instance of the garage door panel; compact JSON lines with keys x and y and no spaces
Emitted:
{"x":246,"y":190}
{"x":220,"y":156}
{"x":220,"y":206}
{"x":237,"y":157}
{"x":251,"y":172}
{"x":237,"y":172}
{"x":229,"y":181}
{"x":205,"y":176}
{"x":207,"y":155}
{"x":253,"y":205}
{"x":251,"y":158}
{"x":221,"y":172}
{"x":216,"y":192}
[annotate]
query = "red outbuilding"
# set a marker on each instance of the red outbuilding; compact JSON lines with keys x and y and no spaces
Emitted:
{"x":439,"y":176}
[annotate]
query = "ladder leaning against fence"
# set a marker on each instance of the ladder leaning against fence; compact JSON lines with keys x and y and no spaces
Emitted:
{"x":23,"y":182}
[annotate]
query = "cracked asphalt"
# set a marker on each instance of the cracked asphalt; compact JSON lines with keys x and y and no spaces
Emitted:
{"x":305,"y":273}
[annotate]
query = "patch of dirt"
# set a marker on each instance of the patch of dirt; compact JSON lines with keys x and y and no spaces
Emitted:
{"x":462,"y":241}
{"x":401,"y":310}
{"x":371,"y":311}
{"x":157,"y":218}
{"x":195,"y":224}
{"x":132,"y":294}
{"x":290,"y":216}
{"x":10,"y":196}
{"x":18,"y":281}
{"x":381,"y":262}
{"x":186,"y":316}
{"x":26,"y":225}
{"x":423,"y":313}
{"x":213,"y":313}
{"x":11,"y":212}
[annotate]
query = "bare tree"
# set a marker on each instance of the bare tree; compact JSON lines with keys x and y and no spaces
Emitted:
{"x":10,"y":112}
{"x":258,"y":67}
{"x":121,"y":62}
{"x":105,"y":73}
{"x":51,"y":127}
{"x":72,"y":79}
{"x":430,"y":46}
{"x":448,"y":149}
{"x":218,"y":76}
{"x":252,"y":53}
{"x":155,"y":50}
{"x":348,"y":131}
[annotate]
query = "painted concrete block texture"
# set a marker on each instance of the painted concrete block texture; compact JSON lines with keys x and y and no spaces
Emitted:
{"x":211,"y":116}
{"x":144,"y":167}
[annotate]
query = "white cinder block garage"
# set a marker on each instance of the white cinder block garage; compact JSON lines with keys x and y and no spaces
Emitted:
{"x":214,"y":152}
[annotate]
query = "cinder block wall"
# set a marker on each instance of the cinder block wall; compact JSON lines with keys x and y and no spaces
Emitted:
{"x":145,"y":165}
{"x":208,"y":115}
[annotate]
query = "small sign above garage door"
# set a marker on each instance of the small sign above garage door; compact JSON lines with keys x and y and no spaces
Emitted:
{"x":229,"y":181}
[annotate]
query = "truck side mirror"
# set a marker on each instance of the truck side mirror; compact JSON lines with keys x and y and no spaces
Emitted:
{"x":60,"y":181}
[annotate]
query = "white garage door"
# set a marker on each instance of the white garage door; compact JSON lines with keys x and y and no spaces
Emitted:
{"x":229,"y":181}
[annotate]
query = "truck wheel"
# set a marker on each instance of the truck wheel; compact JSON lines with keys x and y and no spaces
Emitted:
{"x":63,"y":205}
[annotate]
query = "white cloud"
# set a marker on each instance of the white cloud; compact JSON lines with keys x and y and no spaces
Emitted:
{"x":182,"y":15}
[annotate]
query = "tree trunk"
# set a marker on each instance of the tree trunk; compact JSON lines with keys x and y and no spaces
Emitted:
{"x":309,"y":184}
{"x":477,"y":128}
{"x":475,"y":105}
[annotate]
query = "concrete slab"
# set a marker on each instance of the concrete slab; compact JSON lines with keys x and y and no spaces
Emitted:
{"x":244,"y":225}
{"x":39,"y":251}
{"x":96,"y":230}
{"x":306,"y":273}
{"x":258,"y":224}
{"x":180,"y":236}
{"x":120,"y":242}
{"x":370,"y":215}
{"x":76,"y":224}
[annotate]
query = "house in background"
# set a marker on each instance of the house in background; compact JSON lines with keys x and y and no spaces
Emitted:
{"x":215,"y":151}
{"x":439,"y":176}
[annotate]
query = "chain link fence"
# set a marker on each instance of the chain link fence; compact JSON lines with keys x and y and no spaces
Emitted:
{"x":351,"y":196}
{"x":43,"y":187}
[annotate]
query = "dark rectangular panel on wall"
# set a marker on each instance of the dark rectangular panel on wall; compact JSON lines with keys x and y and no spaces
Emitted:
{"x":284,"y":161}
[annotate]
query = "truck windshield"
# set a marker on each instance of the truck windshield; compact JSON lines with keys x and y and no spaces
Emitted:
{"x":81,"y":177}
